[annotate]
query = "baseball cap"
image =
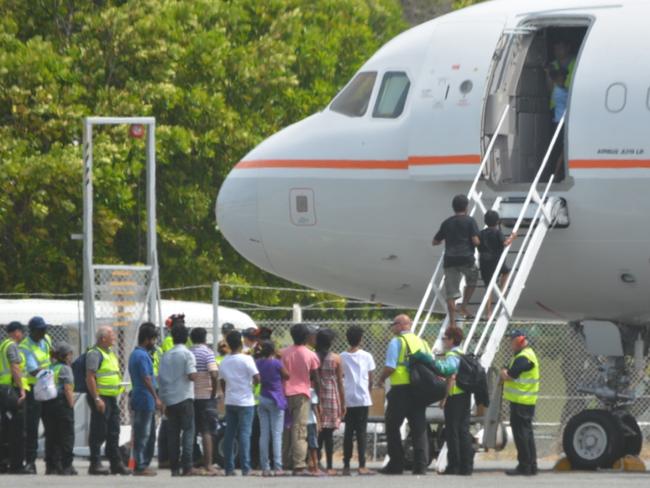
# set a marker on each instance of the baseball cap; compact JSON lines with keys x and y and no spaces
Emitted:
{"x":37,"y":323}
{"x":15,"y":325}
{"x":515,"y":333}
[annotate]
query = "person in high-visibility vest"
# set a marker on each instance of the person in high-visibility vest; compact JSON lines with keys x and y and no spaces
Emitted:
{"x":36,"y":349}
{"x":59,"y":412}
{"x":521,"y":388}
{"x":401,"y":404}
{"x":13,"y":386}
{"x":104,"y":384}
{"x":457,"y":405}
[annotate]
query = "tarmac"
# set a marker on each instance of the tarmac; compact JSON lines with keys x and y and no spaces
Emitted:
{"x":488,"y":474}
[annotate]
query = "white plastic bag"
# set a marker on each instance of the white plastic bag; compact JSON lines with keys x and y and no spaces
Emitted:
{"x":45,"y":389}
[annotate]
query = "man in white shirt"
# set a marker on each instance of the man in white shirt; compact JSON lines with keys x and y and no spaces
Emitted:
{"x":358,"y":366}
{"x":238,"y":374}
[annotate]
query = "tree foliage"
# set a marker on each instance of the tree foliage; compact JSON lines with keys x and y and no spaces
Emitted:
{"x":219,"y":76}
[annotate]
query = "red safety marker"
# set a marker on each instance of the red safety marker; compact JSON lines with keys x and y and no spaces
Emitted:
{"x":136,"y":131}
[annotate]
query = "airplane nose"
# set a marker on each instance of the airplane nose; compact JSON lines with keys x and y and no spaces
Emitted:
{"x":237,"y":219}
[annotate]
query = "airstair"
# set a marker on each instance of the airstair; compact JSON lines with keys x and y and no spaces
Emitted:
{"x":537,"y":213}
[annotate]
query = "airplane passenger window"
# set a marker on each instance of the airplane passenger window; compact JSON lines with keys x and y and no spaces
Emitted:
{"x":353,"y":100}
{"x":392,"y":95}
{"x":616,"y":97}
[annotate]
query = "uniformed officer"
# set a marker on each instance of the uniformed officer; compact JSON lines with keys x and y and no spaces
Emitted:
{"x":401,"y":404}
{"x":460,"y":453}
{"x":13,"y":386}
{"x":104,"y":383}
{"x":520,"y":388}
{"x":36,"y":349}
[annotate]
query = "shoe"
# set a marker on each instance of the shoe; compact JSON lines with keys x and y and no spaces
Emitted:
{"x":69,"y":471}
{"x":176,"y":472}
{"x":230,"y":473}
{"x":533,"y":470}
{"x":419,"y":472}
{"x":390,"y":471}
{"x":145,"y":472}
{"x":465,"y":472}
{"x":98,"y":469}
{"x":121,"y":470}
{"x":30,"y":468}
{"x":449,"y":471}
{"x":20,"y":470}
{"x":346,"y":472}
{"x":192,"y":472}
{"x":518,"y":472}
{"x":163,"y":465}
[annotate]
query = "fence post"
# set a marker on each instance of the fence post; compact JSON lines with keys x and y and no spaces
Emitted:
{"x":215,"y":315}
{"x":297,"y":314}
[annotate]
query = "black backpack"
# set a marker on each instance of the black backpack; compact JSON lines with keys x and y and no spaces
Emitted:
{"x":426,"y":385}
{"x":472,"y":378}
{"x":79,"y":372}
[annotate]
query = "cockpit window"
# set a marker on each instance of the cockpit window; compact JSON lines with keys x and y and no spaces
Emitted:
{"x":353,"y":100}
{"x":392,"y":95}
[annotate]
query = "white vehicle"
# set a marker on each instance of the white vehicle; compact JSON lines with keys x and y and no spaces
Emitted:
{"x":348,"y":199}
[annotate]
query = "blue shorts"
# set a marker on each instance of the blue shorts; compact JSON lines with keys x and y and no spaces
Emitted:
{"x":312,"y":436}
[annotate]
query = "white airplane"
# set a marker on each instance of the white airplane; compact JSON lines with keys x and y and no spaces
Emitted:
{"x":348,"y":199}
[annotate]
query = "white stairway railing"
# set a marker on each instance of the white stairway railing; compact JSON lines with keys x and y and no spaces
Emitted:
{"x":493,"y":331}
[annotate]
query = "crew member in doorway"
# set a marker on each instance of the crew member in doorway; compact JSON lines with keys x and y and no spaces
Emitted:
{"x":461,"y":235}
{"x":521,"y":386}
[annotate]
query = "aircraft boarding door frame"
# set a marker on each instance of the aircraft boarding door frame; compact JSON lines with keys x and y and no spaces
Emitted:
{"x":518,"y":78}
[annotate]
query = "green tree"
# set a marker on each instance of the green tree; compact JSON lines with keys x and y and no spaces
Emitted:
{"x":219,"y":76}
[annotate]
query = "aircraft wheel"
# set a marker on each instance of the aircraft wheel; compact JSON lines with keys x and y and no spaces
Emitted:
{"x":593,"y":439}
{"x":632,"y":436}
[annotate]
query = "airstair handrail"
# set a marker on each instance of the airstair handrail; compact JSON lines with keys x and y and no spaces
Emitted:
{"x":474,"y":196}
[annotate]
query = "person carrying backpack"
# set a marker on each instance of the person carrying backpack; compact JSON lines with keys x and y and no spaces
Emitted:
{"x":460,"y":454}
{"x":402,"y":403}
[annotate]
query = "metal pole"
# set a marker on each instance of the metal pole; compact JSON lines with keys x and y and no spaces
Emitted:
{"x":215,"y":315}
{"x":297,"y":313}
{"x":88,"y":278}
{"x":151,"y":212}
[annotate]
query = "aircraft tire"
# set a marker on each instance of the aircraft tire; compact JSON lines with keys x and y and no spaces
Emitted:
{"x":632,"y":436}
{"x":593,"y":439}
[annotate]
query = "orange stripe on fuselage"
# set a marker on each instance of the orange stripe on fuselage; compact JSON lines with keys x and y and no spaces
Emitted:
{"x":609,"y":163}
{"x":359,"y":163}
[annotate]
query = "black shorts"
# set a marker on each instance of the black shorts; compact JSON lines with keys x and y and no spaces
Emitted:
{"x":488,"y":268}
{"x":205,"y":415}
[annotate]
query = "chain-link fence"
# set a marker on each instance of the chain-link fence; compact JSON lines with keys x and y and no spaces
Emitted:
{"x":565,"y":364}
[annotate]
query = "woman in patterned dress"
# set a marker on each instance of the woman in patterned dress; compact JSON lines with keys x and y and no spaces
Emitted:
{"x":331,"y":395}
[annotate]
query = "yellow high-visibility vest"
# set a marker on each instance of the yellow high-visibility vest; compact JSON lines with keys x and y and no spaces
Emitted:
{"x":6,"y":378}
{"x":401,"y":375}
{"x":455,"y":389}
{"x":28,"y":346}
{"x":523,"y":390}
{"x":108,"y":377}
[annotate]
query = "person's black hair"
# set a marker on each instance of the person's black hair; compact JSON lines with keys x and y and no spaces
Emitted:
{"x":198,"y":335}
{"x":324,"y":340}
{"x":354,"y":335}
{"x":459,"y":203}
{"x":299,"y":334}
{"x":234,"y":341}
{"x":266,"y":349}
{"x":179,"y":334}
{"x":491,"y":218}
{"x":147,"y":331}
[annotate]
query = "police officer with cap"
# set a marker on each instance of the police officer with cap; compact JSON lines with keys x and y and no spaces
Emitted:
{"x":13,"y":387}
{"x":36,"y":349}
{"x":520,"y":388}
